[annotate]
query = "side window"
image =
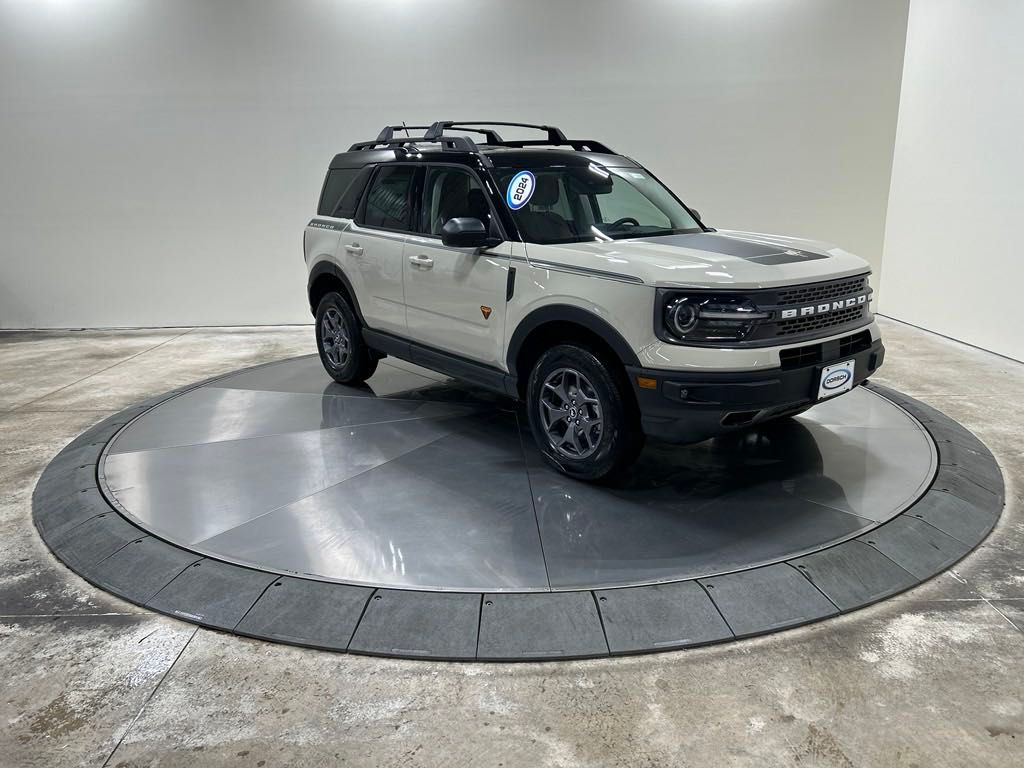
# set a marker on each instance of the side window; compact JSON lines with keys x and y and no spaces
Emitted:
{"x":555,"y":212}
{"x":387,"y":202}
{"x":337,"y":182}
{"x":451,"y":193}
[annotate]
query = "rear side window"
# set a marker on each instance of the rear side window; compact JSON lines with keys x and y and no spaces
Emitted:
{"x":335,"y":185}
{"x":388,"y":201}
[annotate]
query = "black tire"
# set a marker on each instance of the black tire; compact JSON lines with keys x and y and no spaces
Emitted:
{"x":339,"y":340}
{"x":610,"y":448}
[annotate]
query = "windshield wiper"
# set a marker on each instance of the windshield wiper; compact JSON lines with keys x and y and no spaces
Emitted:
{"x":652,"y":233}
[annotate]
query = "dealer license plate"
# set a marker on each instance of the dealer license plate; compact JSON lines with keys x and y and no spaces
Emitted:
{"x":836,"y":379}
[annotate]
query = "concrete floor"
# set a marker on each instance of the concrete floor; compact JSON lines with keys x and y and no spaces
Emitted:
{"x":933,"y":677}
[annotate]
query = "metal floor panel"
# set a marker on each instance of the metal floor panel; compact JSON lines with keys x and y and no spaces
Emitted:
{"x":416,"y":482}
{"x":215,"y":414}
{"x":454,"y":514}
{"x":193,"y":492}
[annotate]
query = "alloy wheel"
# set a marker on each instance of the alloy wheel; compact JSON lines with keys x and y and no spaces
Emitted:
{"x":335,"y":338}
{"x":571,"y":413}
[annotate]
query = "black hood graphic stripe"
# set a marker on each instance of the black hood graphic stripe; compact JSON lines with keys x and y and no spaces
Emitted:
{"x":749,"y":250}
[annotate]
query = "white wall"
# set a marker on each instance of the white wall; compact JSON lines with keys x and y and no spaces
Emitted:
{"x":953,"y":261}
{"x":159,"y":158}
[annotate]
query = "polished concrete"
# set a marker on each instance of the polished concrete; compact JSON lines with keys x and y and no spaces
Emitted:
{"x":407,"y":482}
{"x":929,"y":678}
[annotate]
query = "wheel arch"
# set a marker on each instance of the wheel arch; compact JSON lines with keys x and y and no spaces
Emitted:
{"x":326,"y":277}
{"x":558,"y":324}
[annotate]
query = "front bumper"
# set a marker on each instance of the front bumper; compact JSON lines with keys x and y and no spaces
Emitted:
{"x":687,"y":407}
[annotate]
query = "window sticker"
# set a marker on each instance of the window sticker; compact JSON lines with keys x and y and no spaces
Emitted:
{"x":520,"y":190}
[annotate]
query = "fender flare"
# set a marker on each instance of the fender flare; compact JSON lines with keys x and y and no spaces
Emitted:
{"x":322,"y":268}
{"x":567,"y":313}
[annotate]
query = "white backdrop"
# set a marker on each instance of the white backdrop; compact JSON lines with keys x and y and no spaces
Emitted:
{"x":953,"y":256}
{"x":160,"y":157}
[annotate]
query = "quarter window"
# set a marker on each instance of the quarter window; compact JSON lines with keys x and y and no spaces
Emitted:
{"x":337,"y":182}
{"x":387,"y":204}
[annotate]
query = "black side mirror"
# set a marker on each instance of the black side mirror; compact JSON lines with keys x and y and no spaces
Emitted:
{"x":466,"y":232}
{"x":696,"y":215}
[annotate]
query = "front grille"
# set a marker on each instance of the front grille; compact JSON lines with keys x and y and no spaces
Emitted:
{"x":809,"y":319}
{"x":811,"y":323}
{"x":808,"y":294}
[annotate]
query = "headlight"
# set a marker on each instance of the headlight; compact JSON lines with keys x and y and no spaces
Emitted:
{"x":699,"y":318}
{"x":681,"y":316}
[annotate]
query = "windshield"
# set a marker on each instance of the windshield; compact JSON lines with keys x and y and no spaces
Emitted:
{"x":573,"y":204}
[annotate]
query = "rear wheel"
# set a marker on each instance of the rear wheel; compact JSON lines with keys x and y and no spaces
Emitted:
{"x":581,"y":414}
{"x":339,"y":340}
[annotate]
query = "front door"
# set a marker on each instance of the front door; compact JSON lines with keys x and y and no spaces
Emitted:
{"x":455,"y":297}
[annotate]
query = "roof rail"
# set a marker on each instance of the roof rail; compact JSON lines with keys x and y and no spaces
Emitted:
{"x":434,"y":134}
{"x":555,"y":137}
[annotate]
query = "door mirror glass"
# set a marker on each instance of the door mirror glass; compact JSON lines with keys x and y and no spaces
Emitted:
{"x":466,"y":232}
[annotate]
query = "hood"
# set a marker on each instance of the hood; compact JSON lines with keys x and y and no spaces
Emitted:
{"x":724,"y":258}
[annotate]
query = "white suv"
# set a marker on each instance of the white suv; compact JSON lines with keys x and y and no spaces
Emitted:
{"x":560,"y":273}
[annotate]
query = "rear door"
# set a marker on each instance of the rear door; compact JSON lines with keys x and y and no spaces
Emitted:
{"x":371,"y":247}
{"x":455,"y":297}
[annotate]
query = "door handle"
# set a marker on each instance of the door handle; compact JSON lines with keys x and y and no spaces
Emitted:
{"x":354,"y":248}
{"x":421,"y":261}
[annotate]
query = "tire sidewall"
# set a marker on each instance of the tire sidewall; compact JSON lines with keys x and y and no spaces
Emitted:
{"x":612,"y":447}
{"x":337,"y":301}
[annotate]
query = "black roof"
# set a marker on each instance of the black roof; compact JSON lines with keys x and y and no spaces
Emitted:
{"x":499,"y":157}
{"x":553,"y":149}
{"x":506,"y":156}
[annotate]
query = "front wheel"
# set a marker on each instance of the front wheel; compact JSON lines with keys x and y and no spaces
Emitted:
{"x":582,"y":414}
{"x":339,"y":341}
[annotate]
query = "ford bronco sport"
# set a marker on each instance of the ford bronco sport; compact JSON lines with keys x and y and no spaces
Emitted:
{"x":558,"y":272}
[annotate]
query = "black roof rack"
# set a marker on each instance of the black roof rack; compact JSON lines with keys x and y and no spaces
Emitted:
{"x":389,"y":131}
{"x":434,"y":134}
{"x":555,"y":137}
{"x":386,"y":140}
